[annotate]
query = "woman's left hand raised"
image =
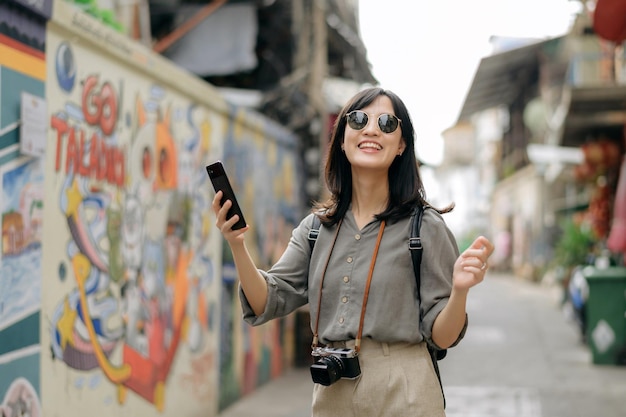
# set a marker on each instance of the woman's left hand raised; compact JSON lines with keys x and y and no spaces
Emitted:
{"x":472,"y":264}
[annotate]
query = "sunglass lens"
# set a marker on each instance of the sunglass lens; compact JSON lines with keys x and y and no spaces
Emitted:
{"x":387,"y":123}
{"x":357,"y":120}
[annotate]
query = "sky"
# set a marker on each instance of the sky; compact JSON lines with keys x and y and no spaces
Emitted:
{"x":427,"y":51}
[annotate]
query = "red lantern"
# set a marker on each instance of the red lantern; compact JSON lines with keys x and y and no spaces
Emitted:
{"x":609,"y":20}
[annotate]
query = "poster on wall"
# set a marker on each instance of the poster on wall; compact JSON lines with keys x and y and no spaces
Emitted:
{"x":33,"y":125}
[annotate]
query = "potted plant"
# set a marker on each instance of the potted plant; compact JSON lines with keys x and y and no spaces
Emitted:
{"x":575,"y":244}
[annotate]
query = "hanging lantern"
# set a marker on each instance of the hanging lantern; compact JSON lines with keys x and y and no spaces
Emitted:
{"x":609,"y":20}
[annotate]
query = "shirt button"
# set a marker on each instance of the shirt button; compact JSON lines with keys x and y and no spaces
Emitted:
{"x":340,"y":320}
{"x":357,"y":237}
{"x":349,"y":260}
{"x":344,"y":300}
{"x":346,"y":279}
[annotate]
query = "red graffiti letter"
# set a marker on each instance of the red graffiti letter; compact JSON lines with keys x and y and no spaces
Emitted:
{"x":90,"y":101}
{"x":108,"y":111}
{"x":61,"y":127}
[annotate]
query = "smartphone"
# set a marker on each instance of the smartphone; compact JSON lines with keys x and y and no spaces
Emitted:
{"x":220,"y":182}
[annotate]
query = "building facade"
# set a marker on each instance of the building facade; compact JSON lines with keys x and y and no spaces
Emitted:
{"x":546,"y":125}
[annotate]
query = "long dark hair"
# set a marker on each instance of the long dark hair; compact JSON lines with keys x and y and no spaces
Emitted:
{"x":406,"y":189}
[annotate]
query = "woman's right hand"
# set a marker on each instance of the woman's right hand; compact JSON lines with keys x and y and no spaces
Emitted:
{"x":226,"y":226}
{"x":252,"y":282}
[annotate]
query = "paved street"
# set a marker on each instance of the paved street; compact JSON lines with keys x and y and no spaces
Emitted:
{"x":520,"y":358}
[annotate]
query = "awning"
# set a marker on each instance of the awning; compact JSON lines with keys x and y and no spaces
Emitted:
{"x":500,"y":77}
{"x":593,"y":110}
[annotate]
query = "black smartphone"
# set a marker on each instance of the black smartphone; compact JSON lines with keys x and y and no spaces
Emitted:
{"x":220,"y":182}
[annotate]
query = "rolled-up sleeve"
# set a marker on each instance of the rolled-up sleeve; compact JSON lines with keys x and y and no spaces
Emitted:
{"x":287,"y":280}
{"x":439,"y":255}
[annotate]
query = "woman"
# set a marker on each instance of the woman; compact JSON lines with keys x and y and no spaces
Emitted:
{"x":358,"y":279}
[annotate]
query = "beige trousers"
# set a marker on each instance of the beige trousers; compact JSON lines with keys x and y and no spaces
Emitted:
{"x":397,"y":380}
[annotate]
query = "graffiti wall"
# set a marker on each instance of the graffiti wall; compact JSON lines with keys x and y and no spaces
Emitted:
{"x":139,"y":312}
{"x":267,"y":175}
{"x":22,"y":69}
{"x":130,"y":287}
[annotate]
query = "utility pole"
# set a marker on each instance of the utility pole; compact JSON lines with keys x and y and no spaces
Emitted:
{"x":316,"y":82}
{"x":310,"y":65}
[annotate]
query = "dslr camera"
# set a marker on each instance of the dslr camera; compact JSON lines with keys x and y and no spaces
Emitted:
{"x":332,"y":364}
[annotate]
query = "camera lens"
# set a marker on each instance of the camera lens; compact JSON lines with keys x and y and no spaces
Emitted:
{"x":327,"y":370}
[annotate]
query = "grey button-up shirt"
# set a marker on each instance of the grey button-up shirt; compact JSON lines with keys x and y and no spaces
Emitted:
{"x":392,"y":310}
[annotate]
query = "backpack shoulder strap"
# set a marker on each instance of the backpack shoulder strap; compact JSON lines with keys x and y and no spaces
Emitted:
{"x":416,"y":248}
{"x":415,"y":244}
{"x":314,"y":231}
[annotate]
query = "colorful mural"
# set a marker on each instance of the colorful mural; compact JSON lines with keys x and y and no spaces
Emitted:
{"x":265,"y":172}
{"x":20,"y":285}
{"x":22,"y":69}
{"x":129,"y":282}
{"x":135,"y":313}
{"x":109,"y":264}
{"x":22,"y":213}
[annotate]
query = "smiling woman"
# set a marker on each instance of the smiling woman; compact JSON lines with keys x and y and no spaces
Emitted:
{"x":371,"y":314}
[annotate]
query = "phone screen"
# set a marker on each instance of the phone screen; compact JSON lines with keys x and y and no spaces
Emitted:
{"x":220,"y":182}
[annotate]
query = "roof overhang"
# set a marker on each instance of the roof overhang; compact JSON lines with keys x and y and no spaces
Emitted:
{"x":500,"y":77}
{"x":594,"y":109}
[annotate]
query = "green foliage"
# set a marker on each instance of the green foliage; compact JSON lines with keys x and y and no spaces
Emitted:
{"x":106,"y":16}
{"x":574,"y":245}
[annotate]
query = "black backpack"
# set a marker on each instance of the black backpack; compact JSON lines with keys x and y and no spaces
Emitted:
{"x":415,"y":247}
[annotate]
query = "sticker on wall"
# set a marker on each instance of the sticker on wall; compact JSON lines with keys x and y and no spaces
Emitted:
{"x":33,"y":116}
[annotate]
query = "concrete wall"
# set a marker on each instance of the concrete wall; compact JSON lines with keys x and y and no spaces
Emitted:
{"x":127,"y":304}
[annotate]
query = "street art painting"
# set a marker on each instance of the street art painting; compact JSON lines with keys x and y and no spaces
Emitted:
{"x":130,"y":285}
{"x":21,"y":213}
{"x":22,"y":69}
{"x":140,"y":312}
{"x":265,"y":174}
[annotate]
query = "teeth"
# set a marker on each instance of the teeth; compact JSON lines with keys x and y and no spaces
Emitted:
{"x":370,"y":145}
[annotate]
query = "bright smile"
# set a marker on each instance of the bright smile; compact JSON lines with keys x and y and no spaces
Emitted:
{"x":370,"y":145}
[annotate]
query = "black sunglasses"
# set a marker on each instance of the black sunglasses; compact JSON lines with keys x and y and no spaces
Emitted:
{"x":357,"y":120}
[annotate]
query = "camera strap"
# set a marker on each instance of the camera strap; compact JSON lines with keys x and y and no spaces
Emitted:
{"x":357,"y":341}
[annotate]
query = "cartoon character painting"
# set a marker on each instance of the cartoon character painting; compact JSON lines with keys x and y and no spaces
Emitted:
{"x":130,"y":254}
